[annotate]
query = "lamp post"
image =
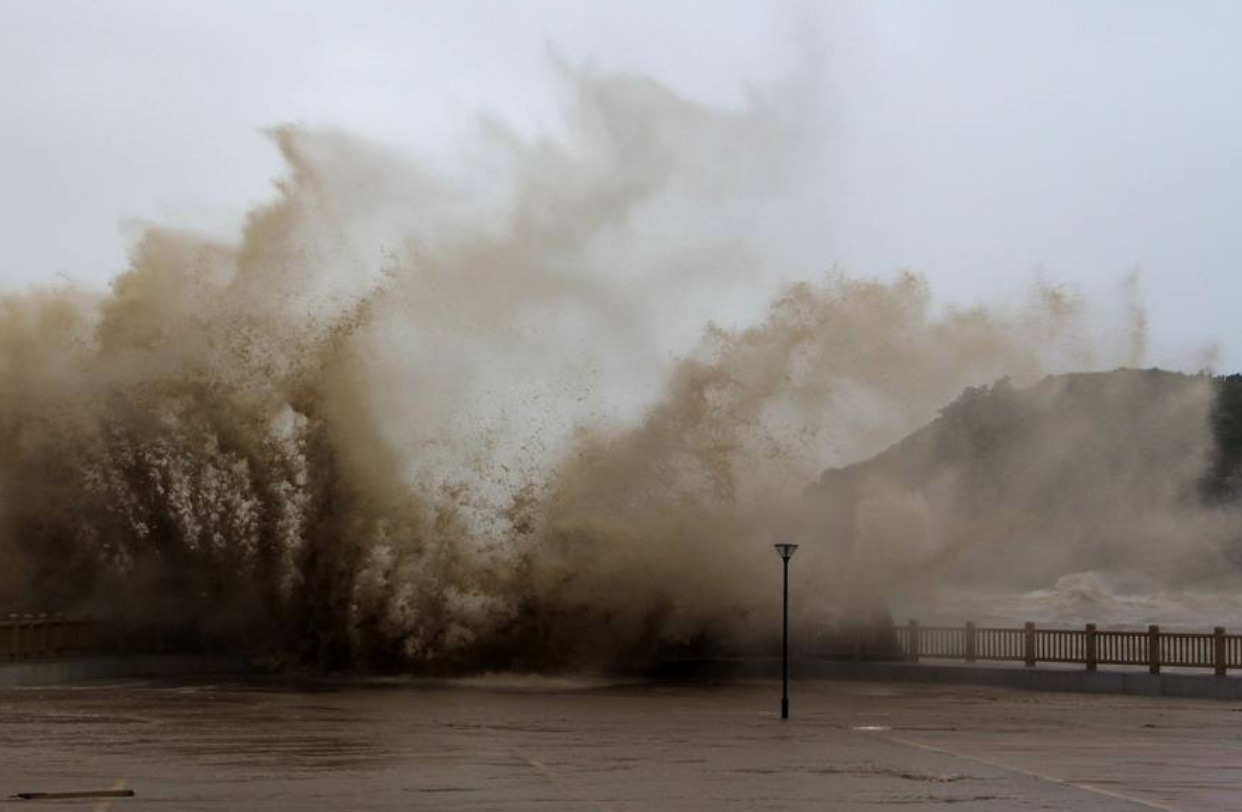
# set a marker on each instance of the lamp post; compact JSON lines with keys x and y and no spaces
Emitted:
{"x":786,"y":552}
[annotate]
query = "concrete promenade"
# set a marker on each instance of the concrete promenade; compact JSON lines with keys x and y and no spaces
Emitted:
{"x":522,"y":744}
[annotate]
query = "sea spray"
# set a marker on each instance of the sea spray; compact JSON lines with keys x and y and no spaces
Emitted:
{"x":510,"y":416}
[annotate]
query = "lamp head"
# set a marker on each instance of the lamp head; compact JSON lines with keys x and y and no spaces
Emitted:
{"x":786,"y":551}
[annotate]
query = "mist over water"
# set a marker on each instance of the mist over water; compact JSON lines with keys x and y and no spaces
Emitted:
{"x":544,"y":409}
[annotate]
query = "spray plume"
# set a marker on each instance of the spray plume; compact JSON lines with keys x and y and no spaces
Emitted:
{"x":486,"y":417}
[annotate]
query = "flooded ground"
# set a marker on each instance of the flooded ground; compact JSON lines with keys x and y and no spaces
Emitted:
{"x":529,"y":744}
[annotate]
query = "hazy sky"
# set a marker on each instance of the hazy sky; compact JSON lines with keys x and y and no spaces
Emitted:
{"x":978,"y":143}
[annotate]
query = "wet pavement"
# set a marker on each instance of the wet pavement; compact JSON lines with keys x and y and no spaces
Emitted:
{"x":522,"y":744}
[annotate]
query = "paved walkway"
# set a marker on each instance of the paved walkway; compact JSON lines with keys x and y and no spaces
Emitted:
{"x":536,"y":745}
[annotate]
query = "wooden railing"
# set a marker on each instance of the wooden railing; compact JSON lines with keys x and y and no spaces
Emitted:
{"x":1089,"y":646}
{"x":28,"y":636}
{"x":42,"y":636}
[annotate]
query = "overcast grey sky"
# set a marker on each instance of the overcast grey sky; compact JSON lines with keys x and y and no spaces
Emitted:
{"x":978,"y":143}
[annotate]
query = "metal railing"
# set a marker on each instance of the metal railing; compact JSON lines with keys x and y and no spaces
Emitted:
{"x":1089,"y":646}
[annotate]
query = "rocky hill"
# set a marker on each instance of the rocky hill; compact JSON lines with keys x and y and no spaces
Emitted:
{"x":1130,"y":473}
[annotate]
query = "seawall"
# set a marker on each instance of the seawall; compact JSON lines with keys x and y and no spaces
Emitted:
{"x":63,"y":671}
{"x":1043,"y":678}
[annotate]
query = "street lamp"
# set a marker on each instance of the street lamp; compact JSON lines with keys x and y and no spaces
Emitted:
{"x":786,"y":552}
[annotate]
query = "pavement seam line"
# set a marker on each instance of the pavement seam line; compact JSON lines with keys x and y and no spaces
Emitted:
{"x":1052,"y":779}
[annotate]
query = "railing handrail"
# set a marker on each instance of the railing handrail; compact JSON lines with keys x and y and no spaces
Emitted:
{"x":46,"y":635}
{"x":1086,"y":645}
